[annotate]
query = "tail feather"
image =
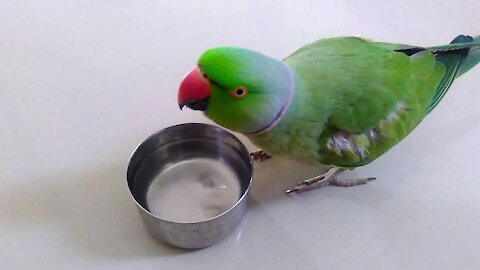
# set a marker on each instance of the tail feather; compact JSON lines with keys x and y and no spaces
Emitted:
{"x":460,"y":42}
{"x":473,"y":57}
{"x":457,"y":60}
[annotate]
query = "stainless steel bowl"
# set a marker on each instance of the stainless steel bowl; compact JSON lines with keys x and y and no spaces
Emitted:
{"x":177,"y":144}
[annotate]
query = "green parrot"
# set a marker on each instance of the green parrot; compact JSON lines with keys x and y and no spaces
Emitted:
{"x":341,"y":102}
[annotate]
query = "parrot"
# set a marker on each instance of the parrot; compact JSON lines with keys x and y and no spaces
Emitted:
{"x":340,"y":102}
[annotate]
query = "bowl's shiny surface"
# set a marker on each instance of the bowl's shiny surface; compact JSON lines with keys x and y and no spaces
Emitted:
{"x":178,"y":143}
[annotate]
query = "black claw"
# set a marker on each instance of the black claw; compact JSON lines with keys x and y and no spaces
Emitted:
{"x":264,"y":157}
{"x":296,"y":189}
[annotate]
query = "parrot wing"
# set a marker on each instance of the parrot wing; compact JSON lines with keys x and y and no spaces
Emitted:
{"x":374,"y":93}
{"x":362,"y":83}
{"x":458,"y":57}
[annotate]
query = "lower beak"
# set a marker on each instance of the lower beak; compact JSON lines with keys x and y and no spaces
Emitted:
{"x":197,"y":105}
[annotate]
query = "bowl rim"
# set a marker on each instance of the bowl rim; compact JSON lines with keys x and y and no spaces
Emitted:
{"x":239,"y":201}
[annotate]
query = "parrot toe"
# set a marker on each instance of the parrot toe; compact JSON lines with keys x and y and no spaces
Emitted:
{"x":259,"y":155}
{"x":328,"y":178}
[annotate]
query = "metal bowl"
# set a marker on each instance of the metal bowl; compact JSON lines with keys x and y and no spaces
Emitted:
{"x":177,"y":146}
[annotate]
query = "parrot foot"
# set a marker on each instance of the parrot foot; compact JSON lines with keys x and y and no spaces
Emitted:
{"x":328,"y":178}
{"x":259,"y":155}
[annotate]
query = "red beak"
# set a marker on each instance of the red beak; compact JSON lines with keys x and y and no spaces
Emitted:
{"x":194,"y":90}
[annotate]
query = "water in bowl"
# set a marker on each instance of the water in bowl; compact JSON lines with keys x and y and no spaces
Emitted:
{"x":193,"y":190}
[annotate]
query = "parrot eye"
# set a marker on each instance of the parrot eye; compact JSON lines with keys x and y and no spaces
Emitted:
{"x":239,"y":92}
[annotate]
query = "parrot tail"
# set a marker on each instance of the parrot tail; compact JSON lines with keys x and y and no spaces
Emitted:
{"x":473,"y":57}
{"x":458,"y":57}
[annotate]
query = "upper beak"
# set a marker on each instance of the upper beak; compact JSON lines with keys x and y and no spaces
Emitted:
{"x":194,"y":90}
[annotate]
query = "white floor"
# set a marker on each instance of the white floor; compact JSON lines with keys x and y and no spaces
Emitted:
{"x":83,"y":82}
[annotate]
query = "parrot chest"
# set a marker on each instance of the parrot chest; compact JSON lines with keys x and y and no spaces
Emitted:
{"x":287,"y":143}
{"x":296,"y":135}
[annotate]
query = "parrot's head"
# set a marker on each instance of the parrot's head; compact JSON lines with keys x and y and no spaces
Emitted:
{"x":239,"y":89}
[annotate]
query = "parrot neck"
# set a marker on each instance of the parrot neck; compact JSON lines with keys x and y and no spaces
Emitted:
{"x":283,"y":109}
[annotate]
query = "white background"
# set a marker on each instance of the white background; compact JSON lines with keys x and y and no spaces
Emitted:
{"x":83,"y":82}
